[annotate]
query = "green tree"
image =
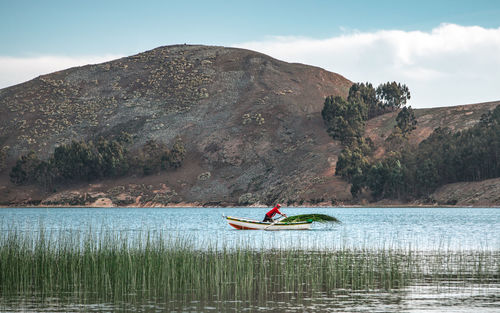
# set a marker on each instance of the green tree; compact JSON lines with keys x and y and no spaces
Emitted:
{"x":352,"y":161}
{"x":366,"y":94}
{"x":386,"y":178}
{"x":333,"y":114}
{"x":24,"y":170}
{"x":427,"y":178}
{"x":78,"y":161}
{"x":177,"y":153}
{"x":393,"y":95}
{"x":406,"y":121}
{"x":153,"y":156}
{"x":46,"y":175}
{"x":344,"y":120}
{"x":114,"y":157}
{"x":3,"y":158}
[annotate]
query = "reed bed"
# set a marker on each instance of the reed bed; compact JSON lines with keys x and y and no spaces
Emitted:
{"x":110,"y":266}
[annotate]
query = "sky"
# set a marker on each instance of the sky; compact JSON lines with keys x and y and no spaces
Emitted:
{"x":447,"y":52}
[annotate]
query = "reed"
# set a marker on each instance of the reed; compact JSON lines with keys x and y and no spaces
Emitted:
{"x":322,"y":218}
{"x":110,"y":266}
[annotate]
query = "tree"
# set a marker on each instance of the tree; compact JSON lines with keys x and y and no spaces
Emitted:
{"x":426,"y":176}
{"x":153,"y":157}
{"x":393,"y":95}
{"x":84,"y":160}
{"x":114,"y":157}
{"x":344,"y":120}
{"x":333,"y":115}
{"x":24,"y":170}
{"x":366,"y":94}
{"x":492,"y":118}
{"x":406,"y":121}
{"x":3,"y":157}
{"x":177,"y":153}
{"x":78,"y":160}
{"x":352,"y":161}
{"x":386,"y":178}
{"x":46,"y":175}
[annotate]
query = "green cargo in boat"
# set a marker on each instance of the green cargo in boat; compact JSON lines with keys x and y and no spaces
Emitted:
{"x":323,"y":218}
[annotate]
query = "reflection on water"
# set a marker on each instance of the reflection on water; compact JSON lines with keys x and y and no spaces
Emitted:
{"x":421,"y":298}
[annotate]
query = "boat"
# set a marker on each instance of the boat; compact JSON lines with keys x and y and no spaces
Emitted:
{"x":245,"y":223}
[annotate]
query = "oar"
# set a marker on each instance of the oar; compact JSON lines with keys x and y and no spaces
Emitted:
{"x":276,"y":221}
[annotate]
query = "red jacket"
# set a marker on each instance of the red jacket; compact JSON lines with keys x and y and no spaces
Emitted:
{"x":273,"y":212}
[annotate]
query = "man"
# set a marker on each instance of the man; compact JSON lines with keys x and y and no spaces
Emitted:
{"x":270,"y":214}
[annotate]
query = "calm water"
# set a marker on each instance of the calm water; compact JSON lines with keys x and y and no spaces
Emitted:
{"x":423,"y":229}
{"x":415,"y":228}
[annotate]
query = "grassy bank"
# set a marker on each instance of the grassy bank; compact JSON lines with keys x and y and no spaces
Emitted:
{"x":113,"y":267}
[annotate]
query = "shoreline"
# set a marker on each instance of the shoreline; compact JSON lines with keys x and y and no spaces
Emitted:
{"x":198,"y":206}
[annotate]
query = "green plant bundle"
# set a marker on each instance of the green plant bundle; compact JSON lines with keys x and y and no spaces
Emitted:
{"x":323,"y":218}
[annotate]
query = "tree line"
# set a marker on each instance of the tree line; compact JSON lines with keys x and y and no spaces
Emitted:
{"x":407,"y":171}
{"x":88,"y":160}
{"x":444,"y":157}
{"x":345,"y":119}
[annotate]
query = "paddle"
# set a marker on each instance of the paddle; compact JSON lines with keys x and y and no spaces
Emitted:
{"x":276,"y":221}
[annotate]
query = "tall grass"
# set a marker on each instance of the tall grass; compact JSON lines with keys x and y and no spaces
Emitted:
{"x":111,"y":266}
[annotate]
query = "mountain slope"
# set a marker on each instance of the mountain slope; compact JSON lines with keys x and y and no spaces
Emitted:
{"x":251,"y":124}
{"x":456,"y":118}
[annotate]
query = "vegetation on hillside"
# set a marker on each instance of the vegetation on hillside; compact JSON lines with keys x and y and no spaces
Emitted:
{"x":407,"y":171}
{"x":86,"y":161}
{"x":444,"y":157}
{"x":345,"y":119}
{"x":3,"y":157}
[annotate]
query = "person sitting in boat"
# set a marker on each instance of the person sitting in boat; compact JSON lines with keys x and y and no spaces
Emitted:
{"x":270,"y":214}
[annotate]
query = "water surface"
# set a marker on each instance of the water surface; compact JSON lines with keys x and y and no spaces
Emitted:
{"x":414,"y":228}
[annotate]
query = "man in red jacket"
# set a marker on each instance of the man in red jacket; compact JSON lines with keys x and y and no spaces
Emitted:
{"x":270,"y":214}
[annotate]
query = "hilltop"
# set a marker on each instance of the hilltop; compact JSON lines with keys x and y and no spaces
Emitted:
{"x":251,"y":126}
{"x":250,"y":123}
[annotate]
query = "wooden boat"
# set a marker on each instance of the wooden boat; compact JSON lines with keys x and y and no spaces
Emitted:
{"x":245,"y":223}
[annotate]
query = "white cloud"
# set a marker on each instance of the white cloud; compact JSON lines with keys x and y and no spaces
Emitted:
{"x":449,"y":65}
{"x":15,"y":70}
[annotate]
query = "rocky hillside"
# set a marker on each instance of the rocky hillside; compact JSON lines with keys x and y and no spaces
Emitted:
{"x":456,"y":118}
{"x":480,"y":193}
{"x":251,"y":125}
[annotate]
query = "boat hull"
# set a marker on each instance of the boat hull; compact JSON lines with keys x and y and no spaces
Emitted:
{"x":243,"y":223}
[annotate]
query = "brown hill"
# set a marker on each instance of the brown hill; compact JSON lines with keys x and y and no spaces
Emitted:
{"x":456,"y":118}
{"x":483,"y":193}
{"x":251,"y":124}
{"x":479,"y":194}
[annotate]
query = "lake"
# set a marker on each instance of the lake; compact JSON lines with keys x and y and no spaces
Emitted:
{"x":417,"y":228}
{"x":449,"y":231}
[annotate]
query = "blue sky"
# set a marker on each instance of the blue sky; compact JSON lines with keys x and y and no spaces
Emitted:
{"x":125,"y":27}
{"x":51,"y":35}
